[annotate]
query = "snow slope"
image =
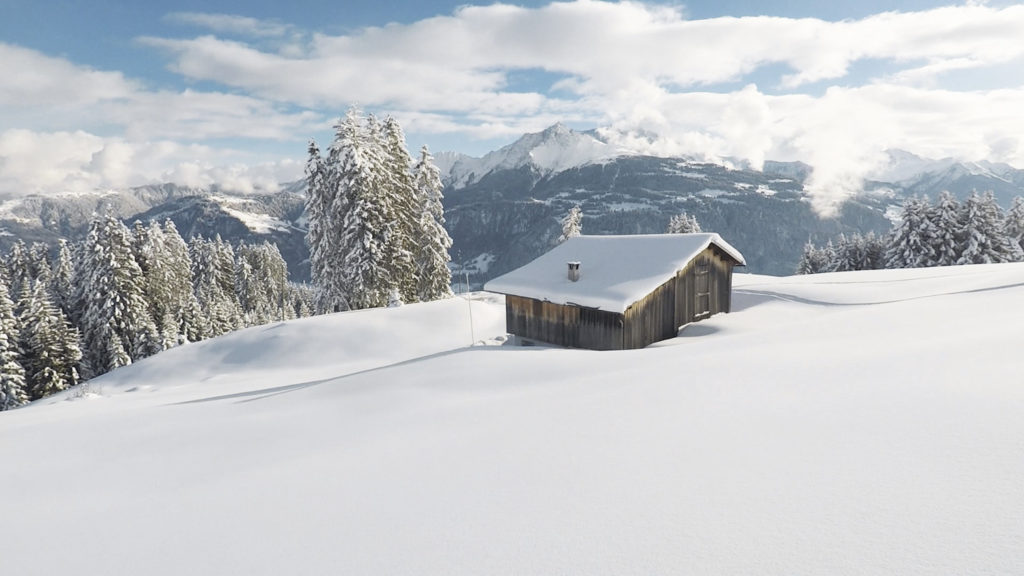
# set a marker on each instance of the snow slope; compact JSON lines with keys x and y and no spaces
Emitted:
{"x":851,"y":423}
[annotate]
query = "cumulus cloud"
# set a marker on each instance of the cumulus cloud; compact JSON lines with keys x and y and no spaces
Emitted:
{"x":157,"y":134}
{"x":657,"y":81}
{"x":77,"y":162}
{"x":642,"y":69}
{"x":32,"y":80}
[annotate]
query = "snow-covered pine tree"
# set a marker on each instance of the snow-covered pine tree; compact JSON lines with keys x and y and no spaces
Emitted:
{"x":402,"y":201}
{"x":572,"y":224}
{"x":945,"y":218}
{"x":115,"y":320}
{"x":912,"y":240}
{"x":683,"y":223}
{"x":322,"y":234}
{"x":63,"y":276}
{"x":300,"y":297}
{"x":254,"y":310}
{"x":183,"y":307}
{"x":1014,"y":226}
{"x":147,"y":247}
{"x":115,"y":353}
{"x":261,"y":277}
{"x":434,"y":278}
{"x":213,"y":278}
{"x":17,"y":268}
{"x":39,"y":263}
{"x":273,"y":273}
{"x":50,"y":344}
{"x":849,"y":253}
{"x":874,"y":252}
{"x":13,"y":391}
{"x":368,"y":221}
{"x":983,"y":232}
{"x":813,"y":260}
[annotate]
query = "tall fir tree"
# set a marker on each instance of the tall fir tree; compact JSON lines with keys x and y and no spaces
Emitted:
{"x":39,"y":263}
{"x":432,"y":242}
{"x":146,"y":244}
{"x":261,"y":277}
{"x":401,"y":200}
{"x":322,"y":235}
{"x":63,"y":277}
{"x":983,"y":232}
{"x":368,"y":226}
{"x":13,"y":389}
{"x":572,"y":224}
{"x":52,"y":353}
{"x":18,"y":270}
{"x":947,"y":243}
{"x":183,"y":306}
{"x":213,"y":276}
{"x":115,"y":320}
{"x":1014,"y":226}
{"x":912,"y":242}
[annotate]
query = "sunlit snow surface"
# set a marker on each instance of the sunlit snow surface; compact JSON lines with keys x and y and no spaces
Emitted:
{"x":854,"y":423}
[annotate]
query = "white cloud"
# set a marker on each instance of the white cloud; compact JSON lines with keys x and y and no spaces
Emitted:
{"x":77,"y":162}
{"x":603,"y":45}
{"x":232,"y":24}
{"x":34,"y":81}
{"x":635,"y":68}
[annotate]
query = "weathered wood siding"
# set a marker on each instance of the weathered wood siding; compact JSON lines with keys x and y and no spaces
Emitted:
{"x":702,"y":288}
{"x":600,"y":330}
{"x":572,"y":326}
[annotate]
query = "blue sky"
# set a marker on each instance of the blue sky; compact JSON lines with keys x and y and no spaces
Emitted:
{"x":117,"y":93}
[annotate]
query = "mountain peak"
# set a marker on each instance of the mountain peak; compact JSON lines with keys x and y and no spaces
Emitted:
{"x":556,"y":148}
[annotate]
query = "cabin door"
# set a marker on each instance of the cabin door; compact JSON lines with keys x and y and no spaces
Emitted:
{"x":702,"y":291}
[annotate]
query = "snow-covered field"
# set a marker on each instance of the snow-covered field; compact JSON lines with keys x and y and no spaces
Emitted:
{"x":854,"y":423}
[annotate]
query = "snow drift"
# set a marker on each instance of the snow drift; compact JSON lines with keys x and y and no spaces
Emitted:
{"x":852,"y":423}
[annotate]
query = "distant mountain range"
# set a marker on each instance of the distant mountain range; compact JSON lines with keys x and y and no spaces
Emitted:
{"x":503,"y":209}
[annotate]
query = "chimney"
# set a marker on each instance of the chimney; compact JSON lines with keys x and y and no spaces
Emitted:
{"x":574,"y":271}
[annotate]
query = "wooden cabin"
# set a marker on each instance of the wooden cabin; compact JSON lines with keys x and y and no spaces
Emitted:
{"x":618,"y":292}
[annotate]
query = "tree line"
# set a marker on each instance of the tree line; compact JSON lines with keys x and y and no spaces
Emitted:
{"x":944,"y":233}
{"x":376,"y":224}
{"x":86,"y":308}
{"x":376,"y":236}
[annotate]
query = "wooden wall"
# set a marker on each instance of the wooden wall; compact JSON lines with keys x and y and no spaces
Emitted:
{"x":572,"y":326}
{"x":702,"y":288}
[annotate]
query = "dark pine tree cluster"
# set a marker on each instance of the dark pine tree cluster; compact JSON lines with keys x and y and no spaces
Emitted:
{"x":123,"y":294}
{"x":944,"y":233}
{"x":376,"y":225}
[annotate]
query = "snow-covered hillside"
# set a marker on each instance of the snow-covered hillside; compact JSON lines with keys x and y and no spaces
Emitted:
{"x":851,"y":423}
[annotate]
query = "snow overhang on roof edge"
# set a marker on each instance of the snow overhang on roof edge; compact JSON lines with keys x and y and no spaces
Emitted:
{"x":614,"y":277}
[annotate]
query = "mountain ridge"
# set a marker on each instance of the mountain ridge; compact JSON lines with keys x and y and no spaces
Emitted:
{"x":503,"y":209}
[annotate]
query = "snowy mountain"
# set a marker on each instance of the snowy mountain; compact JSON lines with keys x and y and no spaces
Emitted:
{"x":831,"y":424}
{"x":276,"y":216}
{"x":904,"y":167}
{"x":503,"y":209}
{"x":511,"y":216}
{"x":555,"y":149}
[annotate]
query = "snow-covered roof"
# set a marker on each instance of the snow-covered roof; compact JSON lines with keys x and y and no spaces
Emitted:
{"x":615,"y":271}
